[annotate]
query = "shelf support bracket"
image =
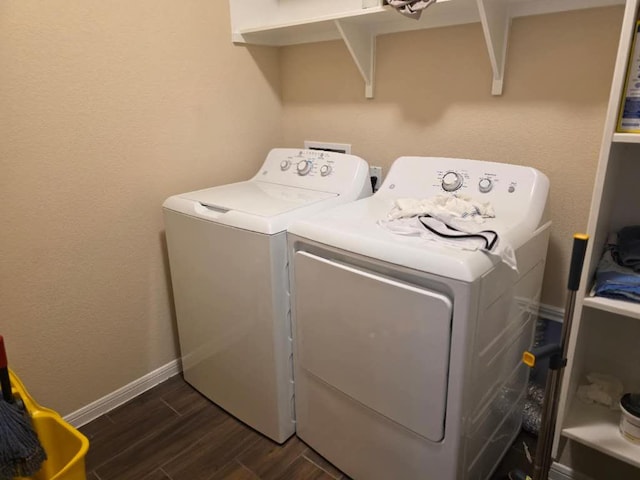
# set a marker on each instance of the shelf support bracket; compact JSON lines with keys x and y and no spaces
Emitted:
{"x":361,"y":43}
{"x":495,"y":19}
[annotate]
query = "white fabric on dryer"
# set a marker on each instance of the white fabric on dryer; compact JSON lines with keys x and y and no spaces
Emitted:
{"x":457,"y":211}
{"x":443,"y":218}
{"x":413,"y":227}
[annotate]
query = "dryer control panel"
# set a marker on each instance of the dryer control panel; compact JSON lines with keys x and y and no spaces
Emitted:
{"x":313,"y":169}
{"x":514,"y":191}
{"x":470,"y":182}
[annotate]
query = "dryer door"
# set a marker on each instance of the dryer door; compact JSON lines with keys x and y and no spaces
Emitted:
{"x":381,"y":342}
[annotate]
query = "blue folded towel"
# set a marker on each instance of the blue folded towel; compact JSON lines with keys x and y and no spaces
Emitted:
{"x":616,"y":281}
{"x":627,"y":251}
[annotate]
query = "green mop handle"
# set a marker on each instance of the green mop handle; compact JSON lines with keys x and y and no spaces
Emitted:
{"x":557,"y":362}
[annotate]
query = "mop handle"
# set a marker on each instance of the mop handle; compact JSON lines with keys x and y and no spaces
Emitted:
{"x":5,"y":383}
{"x":580,"y":241}
{"x":543,"y":459}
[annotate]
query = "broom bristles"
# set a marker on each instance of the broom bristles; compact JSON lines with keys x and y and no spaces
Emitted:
{"x":21,"y":454}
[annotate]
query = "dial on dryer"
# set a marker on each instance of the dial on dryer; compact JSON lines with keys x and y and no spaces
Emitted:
{"x":451,"y":181}
{"x":485,"y":185}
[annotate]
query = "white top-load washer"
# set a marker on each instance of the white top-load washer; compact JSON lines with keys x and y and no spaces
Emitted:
{"x":229,"y":269}
{"x":407,"y":351}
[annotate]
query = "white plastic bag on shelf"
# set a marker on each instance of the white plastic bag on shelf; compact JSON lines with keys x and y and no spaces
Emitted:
{"x":603,"y":389}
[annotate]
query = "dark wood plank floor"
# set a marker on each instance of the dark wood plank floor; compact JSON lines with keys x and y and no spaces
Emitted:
{"x":171,"y":432}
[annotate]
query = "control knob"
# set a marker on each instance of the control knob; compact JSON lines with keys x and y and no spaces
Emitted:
{"x":485,"y":185}
{"x":451,"y":181}
{"x":304,"y":167}
{"x":325,"y":170}
{"x":285,"y":164}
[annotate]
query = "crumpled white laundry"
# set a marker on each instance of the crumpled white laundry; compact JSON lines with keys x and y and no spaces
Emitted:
{"x":453,"y":215}
{"x":454,"y":210}
{"x":413,"y":227}
{"x":410,"y":8}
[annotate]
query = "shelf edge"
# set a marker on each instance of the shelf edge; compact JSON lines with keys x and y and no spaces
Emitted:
{"x":601,"y":433}
{"x":619,"y":307}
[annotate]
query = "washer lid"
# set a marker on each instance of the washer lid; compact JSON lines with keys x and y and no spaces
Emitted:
{"x":253,"y":205}
{"x":257,"y":198}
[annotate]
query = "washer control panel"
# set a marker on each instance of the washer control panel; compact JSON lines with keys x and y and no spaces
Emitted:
{"x":314,"y":169}
{"x":309,"y":162}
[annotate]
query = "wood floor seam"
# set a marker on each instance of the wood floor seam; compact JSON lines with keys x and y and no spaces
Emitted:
{"x":169,"y":405}
{"x":119,"y":453}
{"x":243,"y":466}
{"x":247,"y":468}
{"x":320,"y":467}
{"x":163,"y":471}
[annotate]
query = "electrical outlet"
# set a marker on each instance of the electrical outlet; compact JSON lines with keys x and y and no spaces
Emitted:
{"x":329,"y":147}
{"x":376,"y":177}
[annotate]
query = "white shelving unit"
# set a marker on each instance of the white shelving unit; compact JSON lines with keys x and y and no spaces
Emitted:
{"x":359,"y":22}
{"x":605,"y":337}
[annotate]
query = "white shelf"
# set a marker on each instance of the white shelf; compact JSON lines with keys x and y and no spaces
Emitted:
{"x":309,"y":30}
{"x":385,"y":19}
{"x":379,"y":20}
{"x":597,"y":427}
{"x":359,"y":23}
{"x":620,"y":307}
{"x":626,"y":137}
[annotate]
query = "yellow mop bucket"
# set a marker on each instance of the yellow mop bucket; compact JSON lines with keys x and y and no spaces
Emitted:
{"x":65,"y":446}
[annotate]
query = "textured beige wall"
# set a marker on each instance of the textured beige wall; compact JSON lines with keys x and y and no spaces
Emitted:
{"x":107,"y":108}
{"x":432,"y":97}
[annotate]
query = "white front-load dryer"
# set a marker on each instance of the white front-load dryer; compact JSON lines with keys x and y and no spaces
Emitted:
{"x":229,"y":271}
{"x":407,"y":348}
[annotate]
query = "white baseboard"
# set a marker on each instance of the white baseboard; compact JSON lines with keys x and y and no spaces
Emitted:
{"x":123,"y":395}
{"x":559,"y":471}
